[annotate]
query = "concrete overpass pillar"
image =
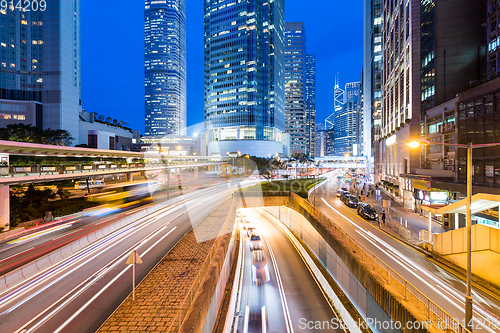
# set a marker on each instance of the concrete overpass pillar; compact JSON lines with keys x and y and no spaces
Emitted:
{"x":130,"y":177}
{"x":4,"y":207}
{"x":196,"y":173}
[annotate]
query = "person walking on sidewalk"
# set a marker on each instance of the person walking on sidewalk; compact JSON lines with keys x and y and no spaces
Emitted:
{"x":383,"y":217}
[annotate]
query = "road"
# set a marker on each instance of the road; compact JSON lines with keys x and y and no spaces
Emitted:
{"x":78,"y":294}
{"x":291,"y":300}
{"x":430,"y":277}
{"x":27,"y":245}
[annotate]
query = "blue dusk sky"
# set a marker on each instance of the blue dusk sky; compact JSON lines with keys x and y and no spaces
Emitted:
{"x":112,"y":42}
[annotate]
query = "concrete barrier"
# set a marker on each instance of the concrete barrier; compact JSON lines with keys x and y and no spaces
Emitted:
{"x":30,"y":269}
{"x":55,"y":256}
{"x":13,"y":278}
{"x":43,"y":263}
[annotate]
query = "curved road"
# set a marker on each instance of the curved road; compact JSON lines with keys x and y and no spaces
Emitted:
{"x":291,"y":300}
{"x":431,"y":278}
{"x":78,"y":294}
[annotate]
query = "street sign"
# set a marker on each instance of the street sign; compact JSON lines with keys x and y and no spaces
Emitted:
{"x":133,"y":259}
{"x":130,"y":259}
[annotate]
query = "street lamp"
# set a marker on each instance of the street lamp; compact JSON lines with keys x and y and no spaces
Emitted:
{"x":417,"y":143}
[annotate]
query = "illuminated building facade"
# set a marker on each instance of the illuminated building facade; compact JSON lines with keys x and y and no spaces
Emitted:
{"x":165,"y":67}
{"x":40,"y":66}
{"x":244,"y":77}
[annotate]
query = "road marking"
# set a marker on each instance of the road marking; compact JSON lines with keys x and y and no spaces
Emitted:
{"x":264,"y":327}
{"x":247,"y":318}
{"x":16,"y":254}
{"x":479,"y":312}
{"x":284,"y":304}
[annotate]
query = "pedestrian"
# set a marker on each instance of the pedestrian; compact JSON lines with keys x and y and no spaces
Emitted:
{"x":383,"y":217}
{"x":367,"y":194}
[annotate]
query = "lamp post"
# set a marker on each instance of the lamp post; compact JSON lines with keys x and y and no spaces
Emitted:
{"x":417,"y":143}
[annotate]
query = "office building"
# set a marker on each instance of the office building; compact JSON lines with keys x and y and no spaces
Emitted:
{"x":431,"y":50}
{"x":244,"y":77}
{"x":346,"y":120}
{"x":311,"y":104}
{"x":493,"y":38}
{"x":165,"y":67}
{"x":372,"y":77}
{"x":295,"y":86}
{"x":99,"y":132}
{"x":40,"y":66}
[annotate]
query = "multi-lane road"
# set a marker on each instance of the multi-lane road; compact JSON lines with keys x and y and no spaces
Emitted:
{"x":80,"y":292}
{"x":289,"y":299}
{"x":28,"y":245}
{"x":433,"y":279}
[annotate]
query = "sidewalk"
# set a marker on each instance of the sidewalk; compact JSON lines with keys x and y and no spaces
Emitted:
{"x":413,"y":222}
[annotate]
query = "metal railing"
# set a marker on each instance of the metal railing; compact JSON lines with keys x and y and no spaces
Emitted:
{"x":39,"y":170}
{"x":427,"y":308}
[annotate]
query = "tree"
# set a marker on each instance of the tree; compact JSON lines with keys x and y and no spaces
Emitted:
{"x":29,"y":133}
{"x":62,"y":193}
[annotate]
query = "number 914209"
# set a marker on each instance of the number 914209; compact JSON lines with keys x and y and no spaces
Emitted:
{"x":23,"y":5}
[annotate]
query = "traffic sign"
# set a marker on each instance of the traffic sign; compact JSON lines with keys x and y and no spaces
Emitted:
{"x":130,"y":259}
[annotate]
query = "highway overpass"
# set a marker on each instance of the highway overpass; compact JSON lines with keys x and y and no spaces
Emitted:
{"x":117,"y":162}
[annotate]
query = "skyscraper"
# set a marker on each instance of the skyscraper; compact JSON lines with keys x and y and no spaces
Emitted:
{"x":165,"y":67}
{"x":346,"y":120}
{"x":40,"y":66}
{"x":372,"y":76}
{"x":311,"y":103}
{"x":244,"y":77}
{"x":431,"y":50}
{"x":295,"y":86}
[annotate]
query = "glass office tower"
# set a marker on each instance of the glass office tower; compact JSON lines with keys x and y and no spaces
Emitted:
{"x":40,"y":66}
{"x":295,"y":86}
{"x":244,"y":77}
{"x":165,"y":67}
{"x":346,"y":121}
{"x":311,"y":103}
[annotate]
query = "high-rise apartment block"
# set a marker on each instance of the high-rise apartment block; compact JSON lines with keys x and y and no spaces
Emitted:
{"x":40,"y":66}
{"x":165,"y":67}
{"x":244,"y":77}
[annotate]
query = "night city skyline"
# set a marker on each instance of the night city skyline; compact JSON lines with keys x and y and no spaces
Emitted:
{"x":336,"y":44}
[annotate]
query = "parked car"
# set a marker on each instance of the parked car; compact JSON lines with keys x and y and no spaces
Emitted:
{"x":343,"y":194}
{"x":350,"y":201}
{"x":367,"y":212}
{"x":339,"y":193}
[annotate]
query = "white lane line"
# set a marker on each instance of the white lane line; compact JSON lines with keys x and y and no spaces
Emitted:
{"x":96,"y":276}
{"x":14,"y":255}
{"x":264,"y":326}
{"x":284,"y":304}
{"x":481,"y":312}
{"x":90,"y":282}
{"x":247,"y":318}
{"x":68,"y":234}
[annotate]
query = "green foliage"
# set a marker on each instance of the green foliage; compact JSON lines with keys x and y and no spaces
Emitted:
{"x":28,"y":133}
{"x":35,"y":203}
{"x":298,"y":186}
